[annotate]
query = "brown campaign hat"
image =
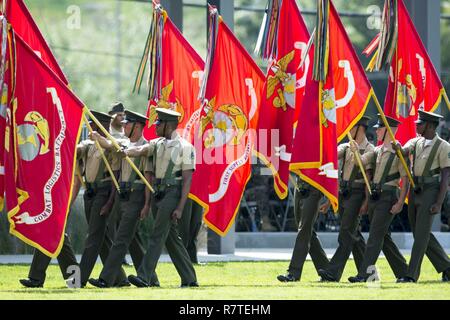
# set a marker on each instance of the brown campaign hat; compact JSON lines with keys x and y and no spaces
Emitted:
{"x":425,"y":116}
{"x":100,"y":116}
{"x":131,"y":116}
{"x":116,"y":107}
{"x":364,"y":121}
{"x":391,"y":121}
{"x":167,"y":115}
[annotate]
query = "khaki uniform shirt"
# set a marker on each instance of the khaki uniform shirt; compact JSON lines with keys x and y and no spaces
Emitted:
{"x":92,"y":159}
{"x":125,"y":168}
{"x":423,"y":150}
{"x":123,"y":141}
{"x":380,"y":156}
{"x":350,"y":160}
{"x":116,"y":161}
{"x":118,"y":134}
{"x":159,"y":151}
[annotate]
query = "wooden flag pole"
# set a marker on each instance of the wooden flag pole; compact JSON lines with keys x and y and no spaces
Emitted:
{"x":447,"y":100}
{"x":118,"y":148}
{"x":360,"y":164}
{"x":391,"y":134}
{"x":78,"y":174}
{"x":99,"y":148}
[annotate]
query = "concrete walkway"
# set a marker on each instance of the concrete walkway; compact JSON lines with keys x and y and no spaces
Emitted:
{"x":239,"y":255}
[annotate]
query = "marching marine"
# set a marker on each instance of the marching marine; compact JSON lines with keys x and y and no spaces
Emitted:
{"x":98,"y":187}
{"x":306,"y":208}
{"x":172,"y":164}
{"x":353,"y":201}
{"x":133,"y":203}
{"x":136,"y":249}
{"x":385,"y":202}
{"x":431,"y":171}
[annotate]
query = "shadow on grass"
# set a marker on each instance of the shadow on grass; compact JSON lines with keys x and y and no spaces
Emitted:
{"x":41,"y":291}
{"x":382,"y":285}
{"x":432,"y":282}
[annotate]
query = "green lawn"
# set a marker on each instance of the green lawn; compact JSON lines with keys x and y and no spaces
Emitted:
{"x":234,"y":280}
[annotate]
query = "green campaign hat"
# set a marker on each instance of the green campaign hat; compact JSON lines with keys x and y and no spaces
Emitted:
{"x":116,"y":107}
{"x":131,"y":116}
{"x":364,"y":121}
{"x":425,"y":116}
{"x":391,"y":121}
{"x":100,"y":116}
{"x":167,"y":115}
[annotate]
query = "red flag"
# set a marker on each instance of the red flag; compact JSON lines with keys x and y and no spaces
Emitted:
{"x":47,"y":122}
{"x":353,"y":90}
{"x":6,"y":88}
{"x":233,"y":89}
{"x":316,"y":157}
{"x":3,"y":109}
{"x":329,"y":111}
{"x":413,"y":81}
{"x":21,"y":20}
{"x":283,"y":95}
{"x":181,"y":73}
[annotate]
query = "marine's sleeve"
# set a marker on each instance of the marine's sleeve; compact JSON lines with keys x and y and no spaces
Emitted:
{"x":82,"y":148}
{"x":401,"y":169}
{"x":444,"y":156}
{"x":369,"y":165}
{"x":341,"y":150}
{"x":188,"y":157}
{"x":116,"y":161}
{"x":151,"y":147}
{"x":144,"y":150}
{"x":368,"y":158}
{"x":409,"y":146}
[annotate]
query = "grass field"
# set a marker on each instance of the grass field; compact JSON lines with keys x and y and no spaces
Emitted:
{"x":233,"y":280}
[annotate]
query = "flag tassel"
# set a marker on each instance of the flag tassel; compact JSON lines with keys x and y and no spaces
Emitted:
{"x":388,"y":35}
{"x":152,"y":55}
{"x":266,"y":46}
{"x":212,"y":32}
{"x":322,"y":41}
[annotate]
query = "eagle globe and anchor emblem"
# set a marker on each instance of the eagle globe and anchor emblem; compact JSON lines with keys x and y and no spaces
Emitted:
{"x":33,"y":136}
{"x":229,"y":125}
{"x":164,"y":102}
{"x":407,"y":92}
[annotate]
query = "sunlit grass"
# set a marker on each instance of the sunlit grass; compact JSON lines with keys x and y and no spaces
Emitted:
{"x":233,"y":280}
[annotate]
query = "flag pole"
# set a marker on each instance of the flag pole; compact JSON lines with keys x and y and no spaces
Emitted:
{"x":118,"y":148}
{"x":447,"y":100}
{"x":308,"y":48}
{"x":99,"y":148}
{"x":78,"y":174}
{"x":391,"y":134}
{"x":360,"y":164}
